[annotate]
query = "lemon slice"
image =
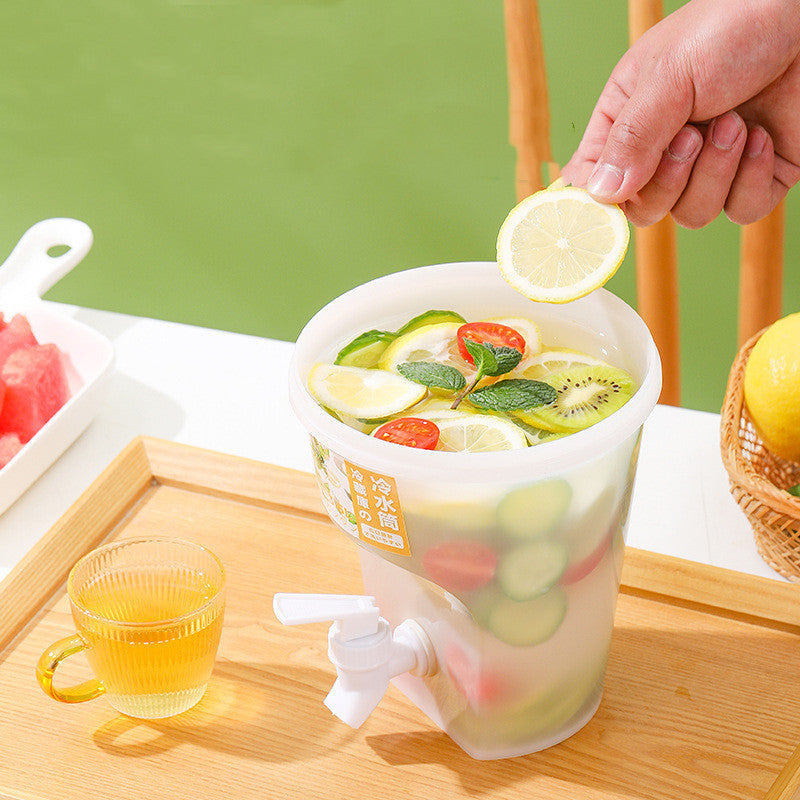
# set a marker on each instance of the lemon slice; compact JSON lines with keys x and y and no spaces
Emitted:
{"x":430,"y":343}
{"x":362,"y":393}
{"x":435,"y":414}
{"x":560,"y":244}
{"x":529,"y":331}
{"x":429,"y":407}
{"x":555,"y":359}
{"x":478,"y":433}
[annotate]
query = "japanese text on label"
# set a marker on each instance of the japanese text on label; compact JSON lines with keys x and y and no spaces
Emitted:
{"x":376,"y":507}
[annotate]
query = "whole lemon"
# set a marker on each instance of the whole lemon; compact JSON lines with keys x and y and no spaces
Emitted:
{"x":772,"y":387}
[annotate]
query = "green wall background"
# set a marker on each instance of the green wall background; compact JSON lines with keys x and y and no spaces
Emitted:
{"x":242,"y":162}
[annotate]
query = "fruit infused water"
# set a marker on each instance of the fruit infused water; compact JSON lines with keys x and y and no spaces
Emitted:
{"x":504,"y":537}
{"x":441,"y":382}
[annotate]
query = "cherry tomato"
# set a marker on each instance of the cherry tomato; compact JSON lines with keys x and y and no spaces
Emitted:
{"x":578,"y":570}
{"x":492,"y":333}
{"x":482,"y":687}
{"x":460,"y":566}
{"x":410,"y":431}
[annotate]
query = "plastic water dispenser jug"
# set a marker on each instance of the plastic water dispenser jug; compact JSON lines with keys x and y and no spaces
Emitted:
{"x":490,"y":579}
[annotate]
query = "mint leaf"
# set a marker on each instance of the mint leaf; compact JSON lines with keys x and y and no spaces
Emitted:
{"x":491,"y":360}
{"x":433,"y":375}
{"x":513,"y":394}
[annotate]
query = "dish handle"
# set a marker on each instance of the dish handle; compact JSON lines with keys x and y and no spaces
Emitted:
{"x":30,"y":270}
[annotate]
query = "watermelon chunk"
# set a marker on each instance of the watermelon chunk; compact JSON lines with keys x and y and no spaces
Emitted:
{"x":36,"y":387}
{"x":10,"y":445}
{"x":14,"y":335}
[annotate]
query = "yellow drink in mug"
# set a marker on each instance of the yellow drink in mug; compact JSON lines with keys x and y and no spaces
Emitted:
{"x":148,"y":615}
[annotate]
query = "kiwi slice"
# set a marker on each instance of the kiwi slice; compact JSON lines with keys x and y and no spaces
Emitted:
{"x":585,"y":395}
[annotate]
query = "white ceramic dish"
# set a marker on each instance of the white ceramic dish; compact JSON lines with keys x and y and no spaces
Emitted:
{"x":24,"y":277}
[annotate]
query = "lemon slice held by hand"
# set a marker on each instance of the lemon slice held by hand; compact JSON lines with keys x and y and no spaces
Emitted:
{"x":560,"y":244}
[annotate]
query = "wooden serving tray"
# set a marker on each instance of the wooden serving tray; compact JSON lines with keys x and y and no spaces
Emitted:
{"x":702,"y":696}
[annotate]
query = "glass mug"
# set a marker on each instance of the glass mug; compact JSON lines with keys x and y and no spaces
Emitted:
{"x":148,"y":615}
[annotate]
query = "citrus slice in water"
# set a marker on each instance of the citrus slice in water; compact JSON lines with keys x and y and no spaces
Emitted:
{"x":527,"y":328}
{"x":431,"y":407}
{"x":436,"y":343}
{"x":555,"y":359}
{"x":362,"y":393}
{"x":560,"y":244}
{"x":478,"y":433}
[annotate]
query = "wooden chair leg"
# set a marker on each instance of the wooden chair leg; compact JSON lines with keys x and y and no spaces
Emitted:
{"x":761,"y":274}
{"x":529,"y":129}
{"x":658,"y":302}
{"x":656,"y":255}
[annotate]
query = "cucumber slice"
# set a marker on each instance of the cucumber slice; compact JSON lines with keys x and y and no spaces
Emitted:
{"x":361,"y":425}
{"x":531,"y":622}
{"x":365,"y":350}
{"x":432,"y":317}
{"x":534,"y":510}
{"x":533,"y":434}
{"x":532,"y":569}
{"x":583,"y":533}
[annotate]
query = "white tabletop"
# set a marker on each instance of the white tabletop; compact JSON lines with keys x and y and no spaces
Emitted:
{"x":228,"y":392}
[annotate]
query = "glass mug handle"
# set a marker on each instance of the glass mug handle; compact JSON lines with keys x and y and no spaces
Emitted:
{"x":46,"y":669}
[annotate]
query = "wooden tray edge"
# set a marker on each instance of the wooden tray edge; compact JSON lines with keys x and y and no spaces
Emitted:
{"x":144,"y":462}
{"x":83,"y":526}
{"x":234,"y":477}
{"x":726,"y":592}
{"x":787,"y":784}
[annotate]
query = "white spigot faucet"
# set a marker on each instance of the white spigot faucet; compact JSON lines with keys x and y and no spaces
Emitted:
{"x":362,"y":647}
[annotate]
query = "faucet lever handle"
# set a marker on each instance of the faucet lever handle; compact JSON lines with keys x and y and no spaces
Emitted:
{"x":356,"y":614}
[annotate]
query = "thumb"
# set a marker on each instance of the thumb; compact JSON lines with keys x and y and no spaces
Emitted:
{"x":638,"y":137}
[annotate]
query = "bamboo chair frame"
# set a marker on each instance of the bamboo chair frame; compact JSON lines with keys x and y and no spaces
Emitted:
{"x":658,"y":302}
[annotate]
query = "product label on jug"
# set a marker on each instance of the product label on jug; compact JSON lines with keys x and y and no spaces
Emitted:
{"x":376,"y":509}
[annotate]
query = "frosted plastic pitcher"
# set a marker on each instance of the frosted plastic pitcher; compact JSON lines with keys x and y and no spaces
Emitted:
{"x":513,"y":674}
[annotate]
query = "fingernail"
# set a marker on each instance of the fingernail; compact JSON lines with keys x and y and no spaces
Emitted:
{"x":756,"y":142}
{"x":604,"y":181}
{"x":686,"y":142}
{"x":725,"y":130}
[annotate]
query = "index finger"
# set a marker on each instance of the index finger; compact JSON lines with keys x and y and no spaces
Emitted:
{"x":628,"y":132}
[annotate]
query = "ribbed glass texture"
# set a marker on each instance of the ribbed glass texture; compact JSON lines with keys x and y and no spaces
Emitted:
{"x":150,"y":612}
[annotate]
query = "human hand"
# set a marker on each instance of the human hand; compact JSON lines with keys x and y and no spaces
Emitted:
{"x":701,"y":114}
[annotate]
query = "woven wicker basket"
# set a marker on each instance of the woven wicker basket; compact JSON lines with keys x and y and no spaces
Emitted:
{"x":759,"y":478}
